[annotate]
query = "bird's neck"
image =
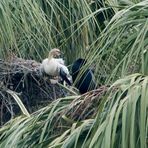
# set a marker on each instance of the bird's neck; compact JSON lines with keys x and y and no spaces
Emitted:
{"x":50,"y":56}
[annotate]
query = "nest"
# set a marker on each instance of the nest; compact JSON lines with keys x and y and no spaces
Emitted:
{"x":86,"y":106}
{"x":23,"y":77}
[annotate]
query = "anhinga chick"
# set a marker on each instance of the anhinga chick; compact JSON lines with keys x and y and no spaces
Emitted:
{"x":55,"y":67}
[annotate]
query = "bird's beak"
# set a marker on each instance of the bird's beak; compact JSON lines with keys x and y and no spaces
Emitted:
{"x":58,"y":54}
{"x":62,"y":53}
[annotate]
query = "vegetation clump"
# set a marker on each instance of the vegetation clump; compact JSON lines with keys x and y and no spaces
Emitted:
{"x":111,"y":36}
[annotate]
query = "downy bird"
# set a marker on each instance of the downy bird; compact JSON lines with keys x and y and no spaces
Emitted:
{"x":84,"y":81}
{"x":55,"y":67}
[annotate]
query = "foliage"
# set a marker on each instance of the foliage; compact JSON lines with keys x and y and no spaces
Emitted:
{"x":117,"y":47}
{"x":32,"y":28}
{"x":124,"y":122}
{"x":120,"y":122}
{"x":50,"y":122}
{"x":122,"y":46}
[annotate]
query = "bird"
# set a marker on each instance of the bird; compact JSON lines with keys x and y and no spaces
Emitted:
{"x":53,"y":66}
{"x":84,"y":81}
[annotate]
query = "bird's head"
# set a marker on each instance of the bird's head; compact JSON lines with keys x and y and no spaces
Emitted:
{"x":54,"y":52}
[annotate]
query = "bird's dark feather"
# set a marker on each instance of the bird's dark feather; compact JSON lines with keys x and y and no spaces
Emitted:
{"x":86,"y":80}
{"x":63,"y":75}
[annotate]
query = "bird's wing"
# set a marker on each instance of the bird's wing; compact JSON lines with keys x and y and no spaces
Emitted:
{"x":60,"y":61}
{"x":63,"y":75}
{"x":64,"y":68}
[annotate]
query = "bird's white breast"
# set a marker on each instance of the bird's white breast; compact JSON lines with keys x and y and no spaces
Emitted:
{"x":60,"y":61}
{"x":50,"y":66}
